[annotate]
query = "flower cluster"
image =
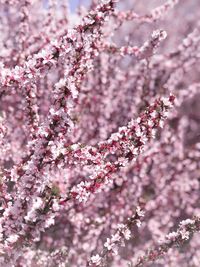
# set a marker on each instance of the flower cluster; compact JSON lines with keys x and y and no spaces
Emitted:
{"x":186,"y":228}
{"x":123,"y":233}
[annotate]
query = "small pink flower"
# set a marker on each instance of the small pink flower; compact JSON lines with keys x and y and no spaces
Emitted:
{"x":96,"y":260}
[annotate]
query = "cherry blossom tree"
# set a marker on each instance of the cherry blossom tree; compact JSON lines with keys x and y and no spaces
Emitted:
{"x":99,"y":133}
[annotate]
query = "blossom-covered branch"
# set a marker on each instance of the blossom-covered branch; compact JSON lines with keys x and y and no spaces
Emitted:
{"x":185,"y":230}
{"x":111,"y":245}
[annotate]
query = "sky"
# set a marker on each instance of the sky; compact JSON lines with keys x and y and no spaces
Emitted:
{"x":74,"y":3}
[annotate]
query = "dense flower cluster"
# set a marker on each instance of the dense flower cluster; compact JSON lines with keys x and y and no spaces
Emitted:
{"x":99,"y":133}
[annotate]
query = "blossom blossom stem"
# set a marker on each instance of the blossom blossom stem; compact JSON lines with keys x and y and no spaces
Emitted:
{"x":123,"y":233}
{"x":155,"y":14}
{"x":185,"y":230}
{"x":127,"y":143}
{"x":144,"y":52}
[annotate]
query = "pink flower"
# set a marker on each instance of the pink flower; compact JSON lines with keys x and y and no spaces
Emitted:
{"x":96,"y":260}
{"x":109,"y":244}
